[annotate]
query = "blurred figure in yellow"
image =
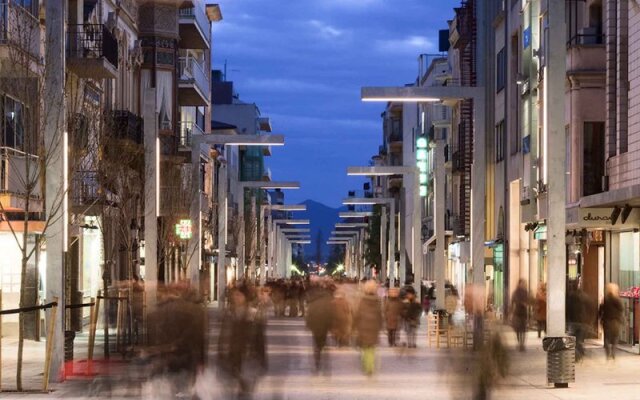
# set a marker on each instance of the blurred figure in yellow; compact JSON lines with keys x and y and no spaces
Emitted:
{"x":368,"y":322}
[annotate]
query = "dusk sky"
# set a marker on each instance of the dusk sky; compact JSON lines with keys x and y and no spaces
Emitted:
{"x":303,"y":63}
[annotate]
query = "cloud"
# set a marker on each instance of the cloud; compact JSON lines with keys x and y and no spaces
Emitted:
{"x":409,"y":44}
{"x":287,"y":85}
{"x":325,"y":30}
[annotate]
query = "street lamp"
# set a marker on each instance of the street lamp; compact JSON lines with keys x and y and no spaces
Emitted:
{"x":227,"y":137}
{"x":242,"y":235}
{"x":438,"y":93}
{"x":280,"y":241}
{"x":355,"y":214}
{"x":390,"y":204}
{"x":351,"y":225}
{"x":269,"y":249}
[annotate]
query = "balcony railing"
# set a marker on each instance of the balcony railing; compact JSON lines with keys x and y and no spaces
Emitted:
{"x":13,"y":172}
{"x":20,"y":26}
{"x":127,"y":125}
{"x":85,"y":188}
{"x":191,"y":72}
{"x":199,"y":16}
{"x":92,"y":41}
{"x":187,"y":130}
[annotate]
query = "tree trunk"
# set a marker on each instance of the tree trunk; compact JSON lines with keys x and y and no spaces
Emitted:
{"x":23,"y":283}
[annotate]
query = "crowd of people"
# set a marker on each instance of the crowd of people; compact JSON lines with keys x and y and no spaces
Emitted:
{"x":346,"y":313}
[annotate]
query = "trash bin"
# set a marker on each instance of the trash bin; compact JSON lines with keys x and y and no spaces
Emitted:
{"x":69,"y":336}
{"x":561,"y":360}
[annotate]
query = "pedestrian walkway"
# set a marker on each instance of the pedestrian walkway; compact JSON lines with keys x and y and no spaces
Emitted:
{"x":401,"y":373}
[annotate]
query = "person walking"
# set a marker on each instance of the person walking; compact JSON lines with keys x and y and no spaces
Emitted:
{"x":611,"y":314}
{"x":411,"y":313}
{"x":368,"y":322}
{"x":541,"y":308}
{"x":242,"y":354}
{"x":342,"y":318}
{"x":319,"y":320}
{"x":519,"y":312}
{"x":393,"y":308}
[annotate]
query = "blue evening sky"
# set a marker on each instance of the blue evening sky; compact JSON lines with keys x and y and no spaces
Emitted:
{"x":303,"y":63}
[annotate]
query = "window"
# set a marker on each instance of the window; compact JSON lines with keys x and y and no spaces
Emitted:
{"x":501,"y":70}
{"x":593,"y":158}
{"x":13,"y":123}
{"x":499,"y":148}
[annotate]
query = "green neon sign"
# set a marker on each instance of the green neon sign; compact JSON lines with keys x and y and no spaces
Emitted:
{"x":183,"y":229}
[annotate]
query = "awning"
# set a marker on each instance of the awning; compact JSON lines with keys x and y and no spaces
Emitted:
{"x":35,"y":227}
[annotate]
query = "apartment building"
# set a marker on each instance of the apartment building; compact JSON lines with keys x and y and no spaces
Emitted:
{"x":247,"y":162}
{"x":115,"y":52}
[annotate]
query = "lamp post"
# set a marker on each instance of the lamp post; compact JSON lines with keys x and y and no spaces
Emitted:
{"x":253,"y":185}
{"x":279,"y":242}
{"x":390,"y":204}
{"x":266,"y":246}
{"x":227,"y":137}
{"x":418,"y":94}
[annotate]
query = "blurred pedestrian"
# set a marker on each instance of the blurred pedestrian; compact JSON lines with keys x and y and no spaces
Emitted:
{"x":541,"y":308}
{"x":451,"y":302}
{"x":342,"y":319}
{"x":319,"y":320}
{"x":578,"y":317}
{"x":241,"y":345}
{"x":611,"y":317}
{"x":412,"y":311}
{"x":368,"y":322}
{"x":492,"y":362}
{"x":520,"y":312}
{"x":393,"y":308}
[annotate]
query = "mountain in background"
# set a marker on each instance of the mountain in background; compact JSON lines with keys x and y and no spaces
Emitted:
{"x":323,"y":218}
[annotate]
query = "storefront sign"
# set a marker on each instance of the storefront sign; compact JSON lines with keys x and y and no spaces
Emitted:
{"x":601,"y":218}
{"x":183,"y":229}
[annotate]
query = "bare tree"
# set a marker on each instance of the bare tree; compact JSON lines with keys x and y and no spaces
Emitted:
{"x":26,"y":154}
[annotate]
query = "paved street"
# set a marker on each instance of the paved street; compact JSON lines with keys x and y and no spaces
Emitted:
{"x":420,"y":373}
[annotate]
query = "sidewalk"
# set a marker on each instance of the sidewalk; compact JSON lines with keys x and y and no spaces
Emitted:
{"x":34,"y":356}
{"x":595,"y":377}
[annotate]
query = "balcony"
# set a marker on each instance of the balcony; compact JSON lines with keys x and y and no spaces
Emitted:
{"x":188,"y":129}
{"x":193,"y":83}
{"x":14,"y":181}
{"x":85,"y":191}
{"x":441,"y":115}
{"x":194,"y":28}
{"x":127,"y":126}
{"x":20,"y":27}
{"x":92,"y":51}
{"x":395,"y":142}
{"x":586,"y":56}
